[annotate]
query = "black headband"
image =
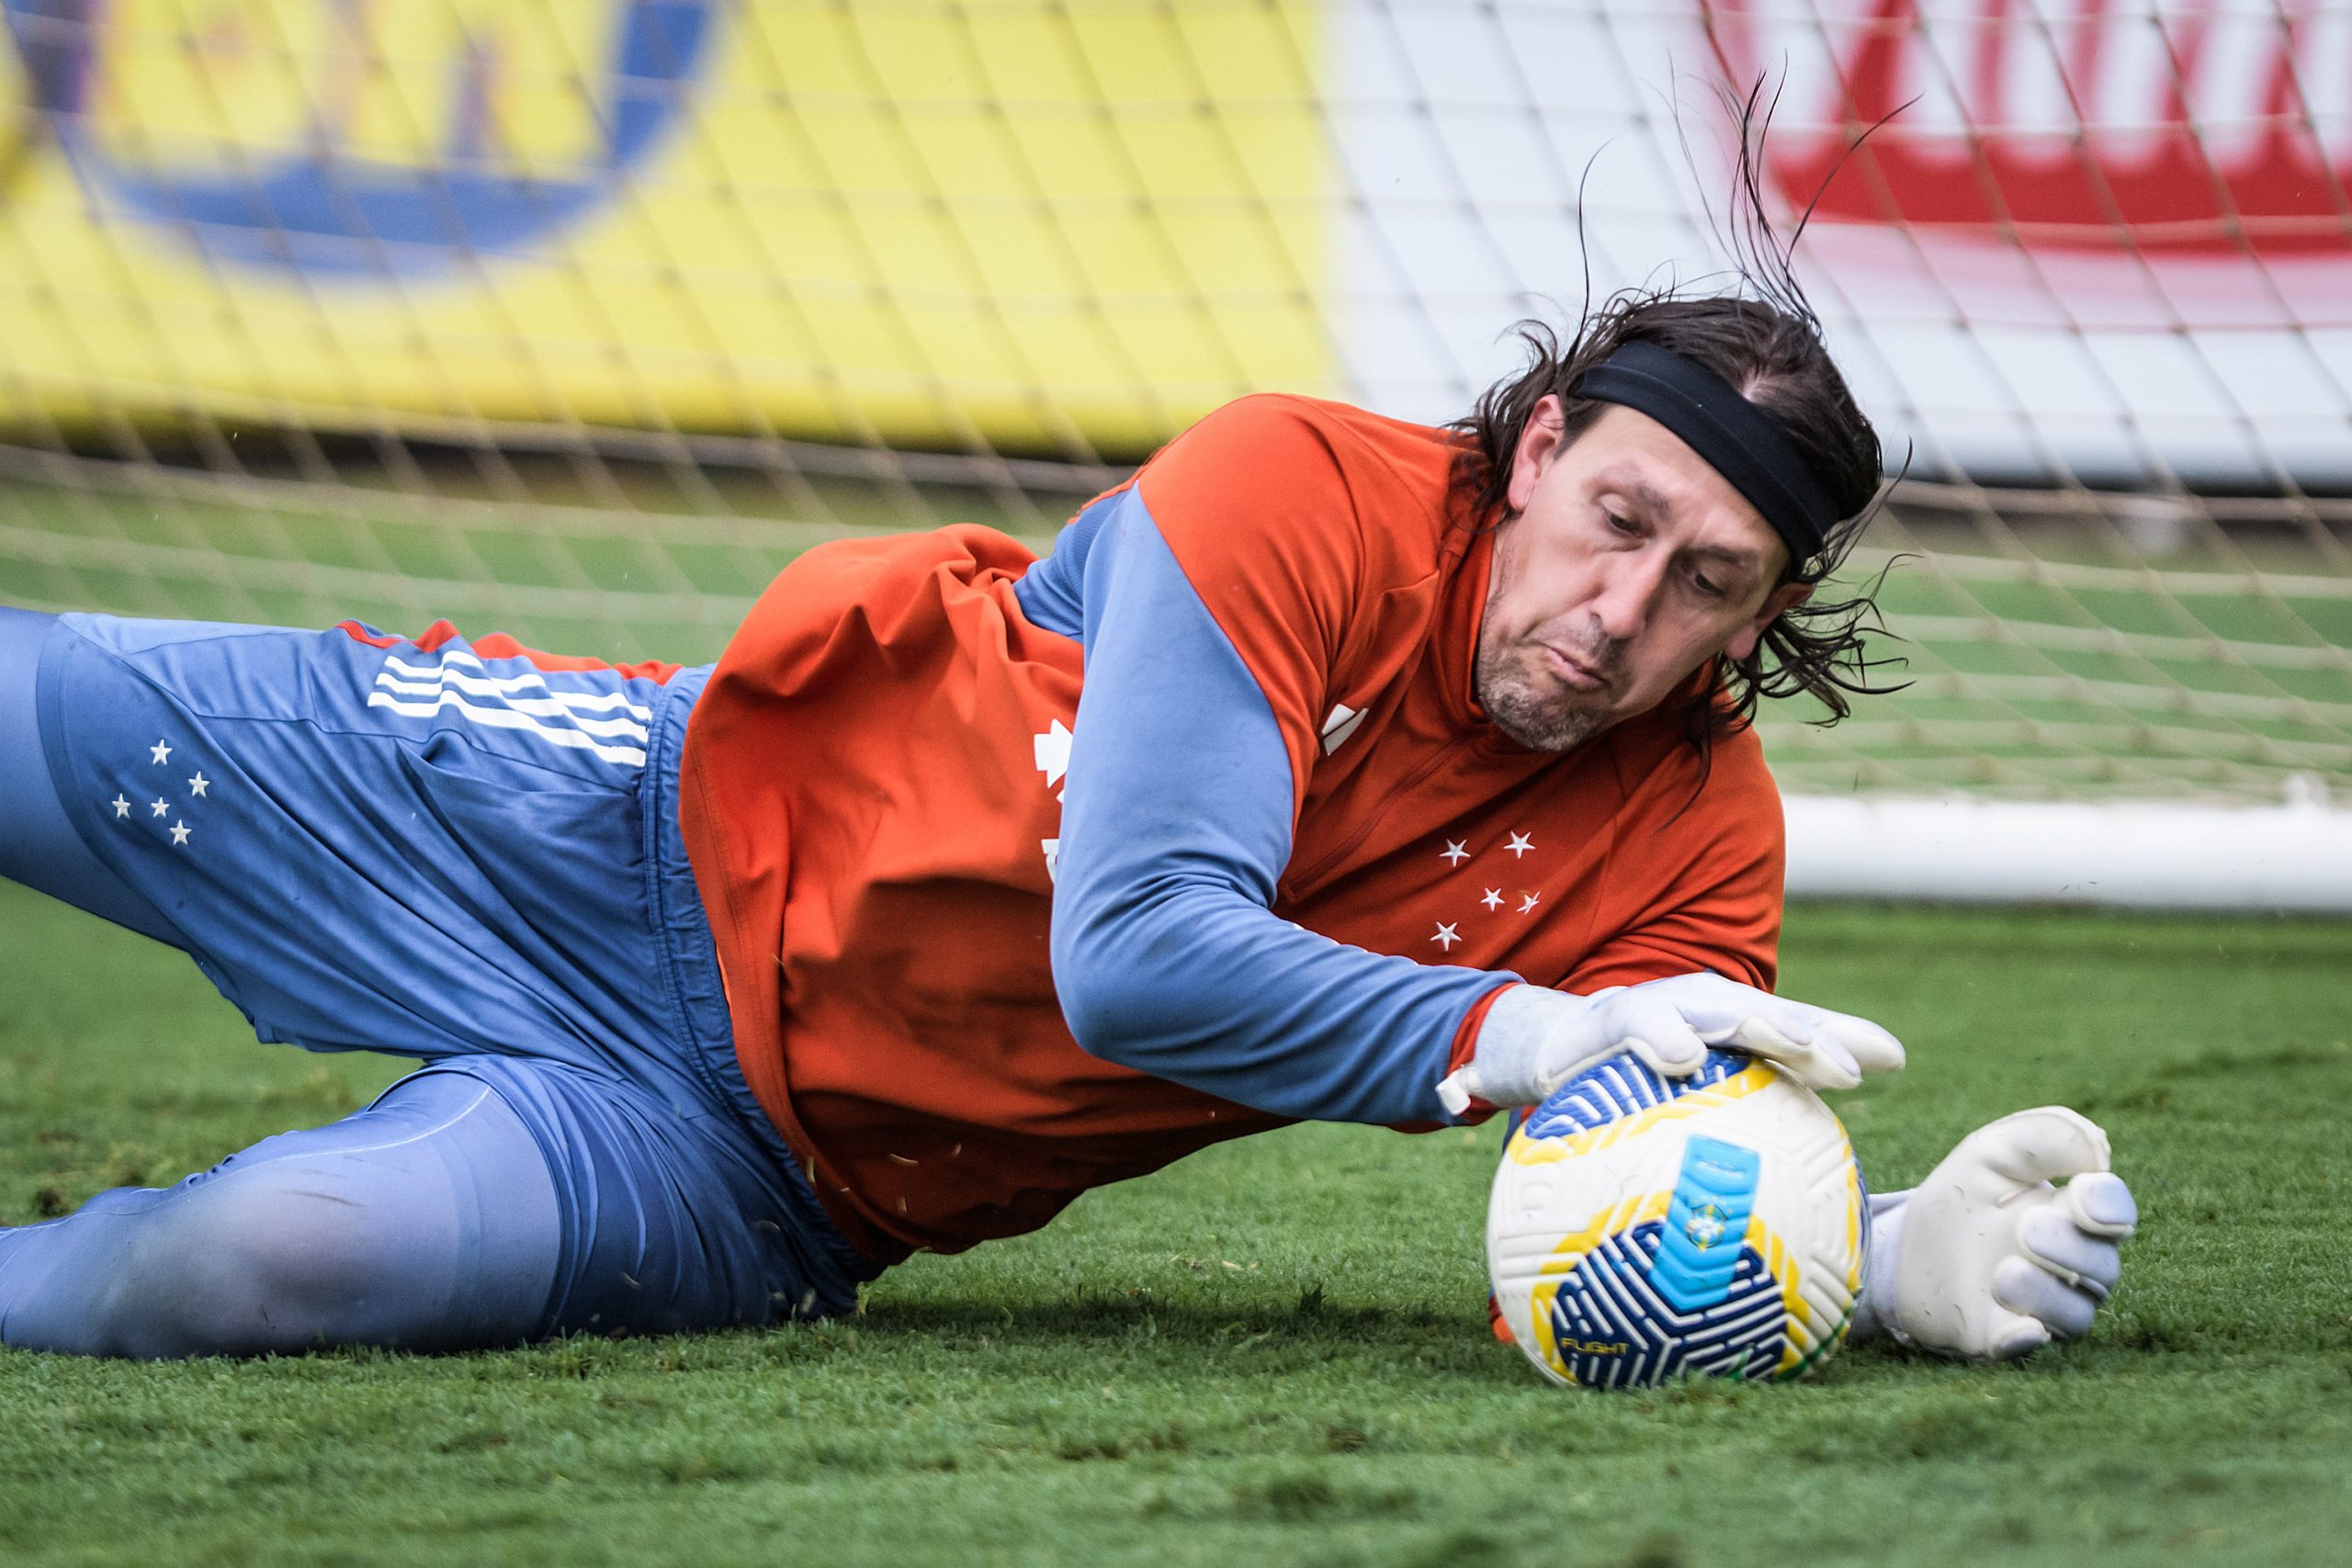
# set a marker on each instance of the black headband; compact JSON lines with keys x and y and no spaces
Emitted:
{"x":1724,"y":429}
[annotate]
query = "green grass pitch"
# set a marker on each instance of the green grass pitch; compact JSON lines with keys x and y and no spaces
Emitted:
{"x":1275,"y":1352}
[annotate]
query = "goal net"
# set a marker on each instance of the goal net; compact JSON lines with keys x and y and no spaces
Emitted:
{"x":579,"y":317}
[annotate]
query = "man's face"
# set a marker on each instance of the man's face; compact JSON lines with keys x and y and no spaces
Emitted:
{"x":1624,"y":564}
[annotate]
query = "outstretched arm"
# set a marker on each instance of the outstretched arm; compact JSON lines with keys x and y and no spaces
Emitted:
{"x":1211,"y":633}
{"x":1176,"y":825}
{"x":1168,"y":957}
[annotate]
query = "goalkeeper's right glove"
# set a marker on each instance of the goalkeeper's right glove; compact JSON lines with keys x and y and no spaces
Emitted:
{"x":1534,"y":1039}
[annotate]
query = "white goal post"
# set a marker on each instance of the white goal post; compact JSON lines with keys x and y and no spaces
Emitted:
{"x":2294,"y":858}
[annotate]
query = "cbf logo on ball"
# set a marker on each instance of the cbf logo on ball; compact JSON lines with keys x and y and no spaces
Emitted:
{"x":358,"y":136}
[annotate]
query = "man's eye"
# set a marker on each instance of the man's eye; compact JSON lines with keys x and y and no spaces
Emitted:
{"x":1699,"y":581}
{"x":1621,"y":524}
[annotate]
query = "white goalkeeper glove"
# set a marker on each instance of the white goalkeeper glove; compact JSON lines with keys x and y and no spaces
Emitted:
{"x":1986,"y":1259}
{"x":1533,"y":1039}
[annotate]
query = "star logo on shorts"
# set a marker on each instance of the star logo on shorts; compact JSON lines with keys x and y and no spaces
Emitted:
{"x":1455,"y":853}
{"x":1493,"y":897}
{"x":159,"y":806}
{"x":1446,"y":937}
{"x":198,"y":785}
{"x":1519,"y":844}
{"x":180,"y":831}
{"x":160,"y":753}
{"x":122,"y":807}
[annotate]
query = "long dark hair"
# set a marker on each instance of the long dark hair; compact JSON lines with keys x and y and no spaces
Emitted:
{"x":1765,"y":341}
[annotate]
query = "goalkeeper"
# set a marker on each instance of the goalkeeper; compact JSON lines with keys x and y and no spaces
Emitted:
{"x":1334,"y":768}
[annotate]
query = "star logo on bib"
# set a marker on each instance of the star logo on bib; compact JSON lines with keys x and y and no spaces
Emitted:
{"x":1484,"y":901}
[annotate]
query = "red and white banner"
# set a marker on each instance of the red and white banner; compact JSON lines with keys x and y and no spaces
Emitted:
{"x":2104,"y":238}
{"x":2093,"y":164}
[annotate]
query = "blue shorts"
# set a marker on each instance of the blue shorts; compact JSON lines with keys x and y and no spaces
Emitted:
{"x":368,"y":844}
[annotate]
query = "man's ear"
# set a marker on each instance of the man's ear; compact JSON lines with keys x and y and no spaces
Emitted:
{"x":1782,"y":600}
{"x":1539,"y":443}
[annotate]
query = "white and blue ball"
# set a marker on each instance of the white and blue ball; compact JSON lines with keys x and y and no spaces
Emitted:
{"x":1644,"y":1228}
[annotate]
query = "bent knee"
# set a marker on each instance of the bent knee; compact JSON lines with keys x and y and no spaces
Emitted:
{"x":429,"y":1221}
{"x":251,"y":1268}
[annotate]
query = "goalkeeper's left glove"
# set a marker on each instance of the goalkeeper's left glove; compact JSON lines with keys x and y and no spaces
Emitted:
{"x":1987,"y":1260}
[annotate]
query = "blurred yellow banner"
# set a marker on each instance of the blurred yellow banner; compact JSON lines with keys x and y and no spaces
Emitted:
{"x":1027,"y":226}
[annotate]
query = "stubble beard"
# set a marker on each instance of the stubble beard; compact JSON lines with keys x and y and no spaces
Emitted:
{"x":1524,"y":701}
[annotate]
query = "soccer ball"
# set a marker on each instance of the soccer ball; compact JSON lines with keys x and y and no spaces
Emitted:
{"x":1645,"y":1228}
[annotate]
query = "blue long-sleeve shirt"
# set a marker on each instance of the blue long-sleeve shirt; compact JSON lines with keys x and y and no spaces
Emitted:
{"x":1167,"y":952}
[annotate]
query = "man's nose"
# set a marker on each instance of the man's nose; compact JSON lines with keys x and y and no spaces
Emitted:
{"x":1628,"y":593}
